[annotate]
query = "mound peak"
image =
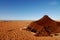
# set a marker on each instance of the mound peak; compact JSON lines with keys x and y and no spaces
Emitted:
{"x":46,"y":18}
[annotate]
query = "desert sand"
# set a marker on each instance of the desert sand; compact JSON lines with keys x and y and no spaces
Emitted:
{"x":12,"y":30}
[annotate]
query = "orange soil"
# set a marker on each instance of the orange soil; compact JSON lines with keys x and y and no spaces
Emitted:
{"x":10,"y":30}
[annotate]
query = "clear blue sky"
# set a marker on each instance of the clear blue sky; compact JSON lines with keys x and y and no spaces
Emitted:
{"x":29,"y":9}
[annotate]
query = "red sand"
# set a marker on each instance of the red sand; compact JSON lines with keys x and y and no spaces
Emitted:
{"x":11,"y":31}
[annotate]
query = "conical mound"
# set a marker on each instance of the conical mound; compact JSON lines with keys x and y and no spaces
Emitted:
{"x":45,"y":26}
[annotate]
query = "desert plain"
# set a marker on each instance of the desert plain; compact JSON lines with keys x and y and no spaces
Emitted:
{"x":13,"y":30}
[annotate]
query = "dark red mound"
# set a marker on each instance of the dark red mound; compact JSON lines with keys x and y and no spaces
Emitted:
{"x":44,"y":27}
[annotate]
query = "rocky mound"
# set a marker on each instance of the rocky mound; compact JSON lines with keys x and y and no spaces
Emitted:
{"x":44,"y":26}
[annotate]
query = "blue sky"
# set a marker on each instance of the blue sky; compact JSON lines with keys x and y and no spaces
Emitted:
{"x":29,"y":9}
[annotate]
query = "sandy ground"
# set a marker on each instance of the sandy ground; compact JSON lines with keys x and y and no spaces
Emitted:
{"x":12,"y":30}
